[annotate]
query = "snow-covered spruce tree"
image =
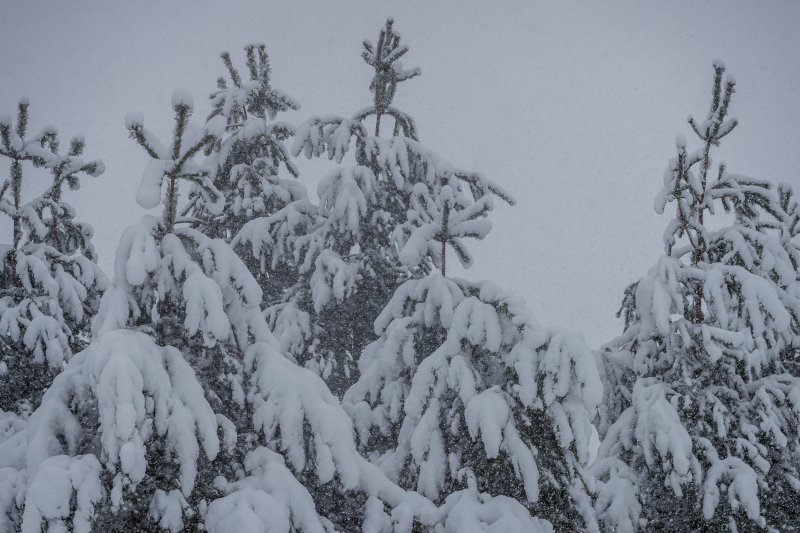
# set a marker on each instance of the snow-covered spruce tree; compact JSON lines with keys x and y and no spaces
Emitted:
{"x":350,"y":260}
{"x":262,"y":207}
{"x":461,"y":393}
{"x":250,"y":162}
{"x":347,"y":260}
{"x":700,"y":423}
{"x":419,"y":315}
{"x":466,"y":393}
{"x":49,"y":280}
{"x":128,"y":422}
{"x":182,"y":414}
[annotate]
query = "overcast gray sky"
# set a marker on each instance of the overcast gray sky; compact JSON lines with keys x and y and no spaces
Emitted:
{"x":573,"y":106}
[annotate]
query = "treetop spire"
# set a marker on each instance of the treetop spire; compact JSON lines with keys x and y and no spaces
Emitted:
{"x":384,"y":58}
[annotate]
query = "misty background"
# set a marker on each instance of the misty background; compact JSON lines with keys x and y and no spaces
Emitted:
{"x":572,"y":106}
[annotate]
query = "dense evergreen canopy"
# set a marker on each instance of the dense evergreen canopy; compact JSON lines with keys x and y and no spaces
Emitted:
{"x":260,"y":362}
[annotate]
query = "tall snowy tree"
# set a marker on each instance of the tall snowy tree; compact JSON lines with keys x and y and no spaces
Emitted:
{"x":701,"y":420}
{"x":129,"y":418}
{"x":250,"y":162}
{"x":461,"y":392}
{"x":182,"y":414}
{"x":350,"y":259}
{"x":49,"y":280}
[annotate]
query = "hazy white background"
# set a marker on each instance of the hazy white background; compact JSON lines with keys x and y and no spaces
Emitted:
{"x":573,"y":106}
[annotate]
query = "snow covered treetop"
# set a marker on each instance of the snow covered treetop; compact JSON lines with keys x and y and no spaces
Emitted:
{"x":42,"y":149}
{"x":178,"y":160}
{"x":249,"y":108}
{"x":332,"y":133}
{"x":687,"y":180}
{"x":422,"y":203}
{"x":252,"y":97}
{"x":384,"y":57}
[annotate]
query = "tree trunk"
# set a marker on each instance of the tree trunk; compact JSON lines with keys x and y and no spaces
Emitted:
{"x":16,"y":189}
{"x":444,"y":258}
{"x":171,"y":205}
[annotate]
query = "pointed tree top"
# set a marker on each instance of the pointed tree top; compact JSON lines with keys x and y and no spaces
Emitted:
{"x":254,"y":96}
{"x":384,"y":58}
{"x":717,"y":124}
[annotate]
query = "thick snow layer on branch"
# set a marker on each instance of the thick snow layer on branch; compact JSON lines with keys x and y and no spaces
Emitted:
{"x":11,"y":483}
{"x":487,"y":415}
{"x":468,"y":511}
{"x":661,"y":434}
{"x":419,"y":313}
{"x":271,"y":239}
{"x":344,"y":196}
{"x":295,"y":410}
{"x":333,"y":278}
{"x":182,"y":98}
{"x":478,"y":390}
{"x":149,"y":193}
{"x":137,"y":254}
{"x":138,"y":391}
{"x":269,"y":499}
{"x":133,"y":119}
{"x":286,"y":398}
{"x":742,"y":487}
{"x":202,"y":277}
{"x":64,"y":491}
{"x":204,"y":308}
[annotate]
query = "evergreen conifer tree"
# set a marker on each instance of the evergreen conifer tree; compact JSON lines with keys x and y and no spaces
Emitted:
{"x":182,"y":414}
{"x":701,"y":419}
{"x":49,"y":280}
{"x":250,"y":161}
{"x":462,"y":392}
{"x":461,"y":395}
{"x":350,"y":260}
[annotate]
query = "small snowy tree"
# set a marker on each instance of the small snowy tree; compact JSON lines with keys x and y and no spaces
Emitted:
{"x":701,"y":417}
{"x":464,"y":391}
{"x":411,"y":327}
{"x":417,"y":319}
{"x":49,"y":280}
